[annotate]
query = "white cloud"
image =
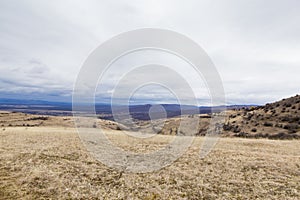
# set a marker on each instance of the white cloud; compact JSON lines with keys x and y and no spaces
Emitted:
{"x":254,"y":44}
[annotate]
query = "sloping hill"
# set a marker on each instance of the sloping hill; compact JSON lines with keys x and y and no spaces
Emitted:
{"x":274,"y":120}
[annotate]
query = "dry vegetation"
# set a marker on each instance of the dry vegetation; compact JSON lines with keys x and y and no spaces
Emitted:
{"x":51,"y":163}
{"x":42,"y":157}
{"x":279,"y":120}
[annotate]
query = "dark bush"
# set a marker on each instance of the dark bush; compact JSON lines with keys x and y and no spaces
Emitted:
{"x":290,"y":119}
{"x":242,"y":134}
{"x":294,"y":119}
{"x":254,"y":130}
{"x":291,"y":127}
{"x":283,"y":136}
{"x":259,"y":135}
{"x":206,"y":117}
{"x":236,"y":129}
{"x":285,"y":118}
{"x":288,"y":105}
{"x":227,"y":127}
{"x":268,"y":124}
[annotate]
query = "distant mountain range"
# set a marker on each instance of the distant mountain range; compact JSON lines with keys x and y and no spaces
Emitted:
{"x":104,"y":111}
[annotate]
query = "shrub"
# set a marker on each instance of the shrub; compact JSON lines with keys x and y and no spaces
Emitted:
{"x":260,"y":135}
{"x":284,"y":136}
{"x":291,"y":127}
{"x":268,"y":124}
{"x":242,"y":134}
{"x":290,"y":119}
{"x":254,"y":130}
{"x":232,"y":116}
{"x":227,"y":127}
{"x":236,"y":129}
{"x":288,"y":105}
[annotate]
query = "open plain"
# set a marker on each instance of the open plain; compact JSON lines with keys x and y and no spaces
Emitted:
{"x":50,"y":162}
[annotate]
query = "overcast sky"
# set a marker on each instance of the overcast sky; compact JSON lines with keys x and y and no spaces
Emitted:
{"x":254,"y":44}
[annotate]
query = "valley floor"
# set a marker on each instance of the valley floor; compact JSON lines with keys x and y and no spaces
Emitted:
{"x":52,"y":163}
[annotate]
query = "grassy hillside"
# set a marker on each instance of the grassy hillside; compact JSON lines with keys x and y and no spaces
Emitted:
{"x":52,"y":163}
{"x":279,"y":120}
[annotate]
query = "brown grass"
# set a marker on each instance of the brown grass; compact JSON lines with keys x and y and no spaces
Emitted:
{"x":51,"y":163}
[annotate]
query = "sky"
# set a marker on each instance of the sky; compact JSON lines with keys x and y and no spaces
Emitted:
{"x":254,"y":44}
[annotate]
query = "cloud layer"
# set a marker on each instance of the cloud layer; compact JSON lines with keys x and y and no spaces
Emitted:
{"x":255,"y":44}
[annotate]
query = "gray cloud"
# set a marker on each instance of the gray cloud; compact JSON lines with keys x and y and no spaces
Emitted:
{"x":254,"y":44}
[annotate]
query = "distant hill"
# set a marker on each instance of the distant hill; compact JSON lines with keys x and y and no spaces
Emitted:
{"x":280,"y":119}
{"x":104,"y":111}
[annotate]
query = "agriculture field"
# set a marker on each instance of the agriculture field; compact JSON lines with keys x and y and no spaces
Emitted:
{"x":52,"y":163}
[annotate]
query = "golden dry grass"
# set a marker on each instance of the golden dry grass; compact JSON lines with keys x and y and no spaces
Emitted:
{"x":51,"y":163}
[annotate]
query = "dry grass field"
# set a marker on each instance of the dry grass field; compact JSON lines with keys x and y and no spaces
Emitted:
{"x":51,"y":163}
